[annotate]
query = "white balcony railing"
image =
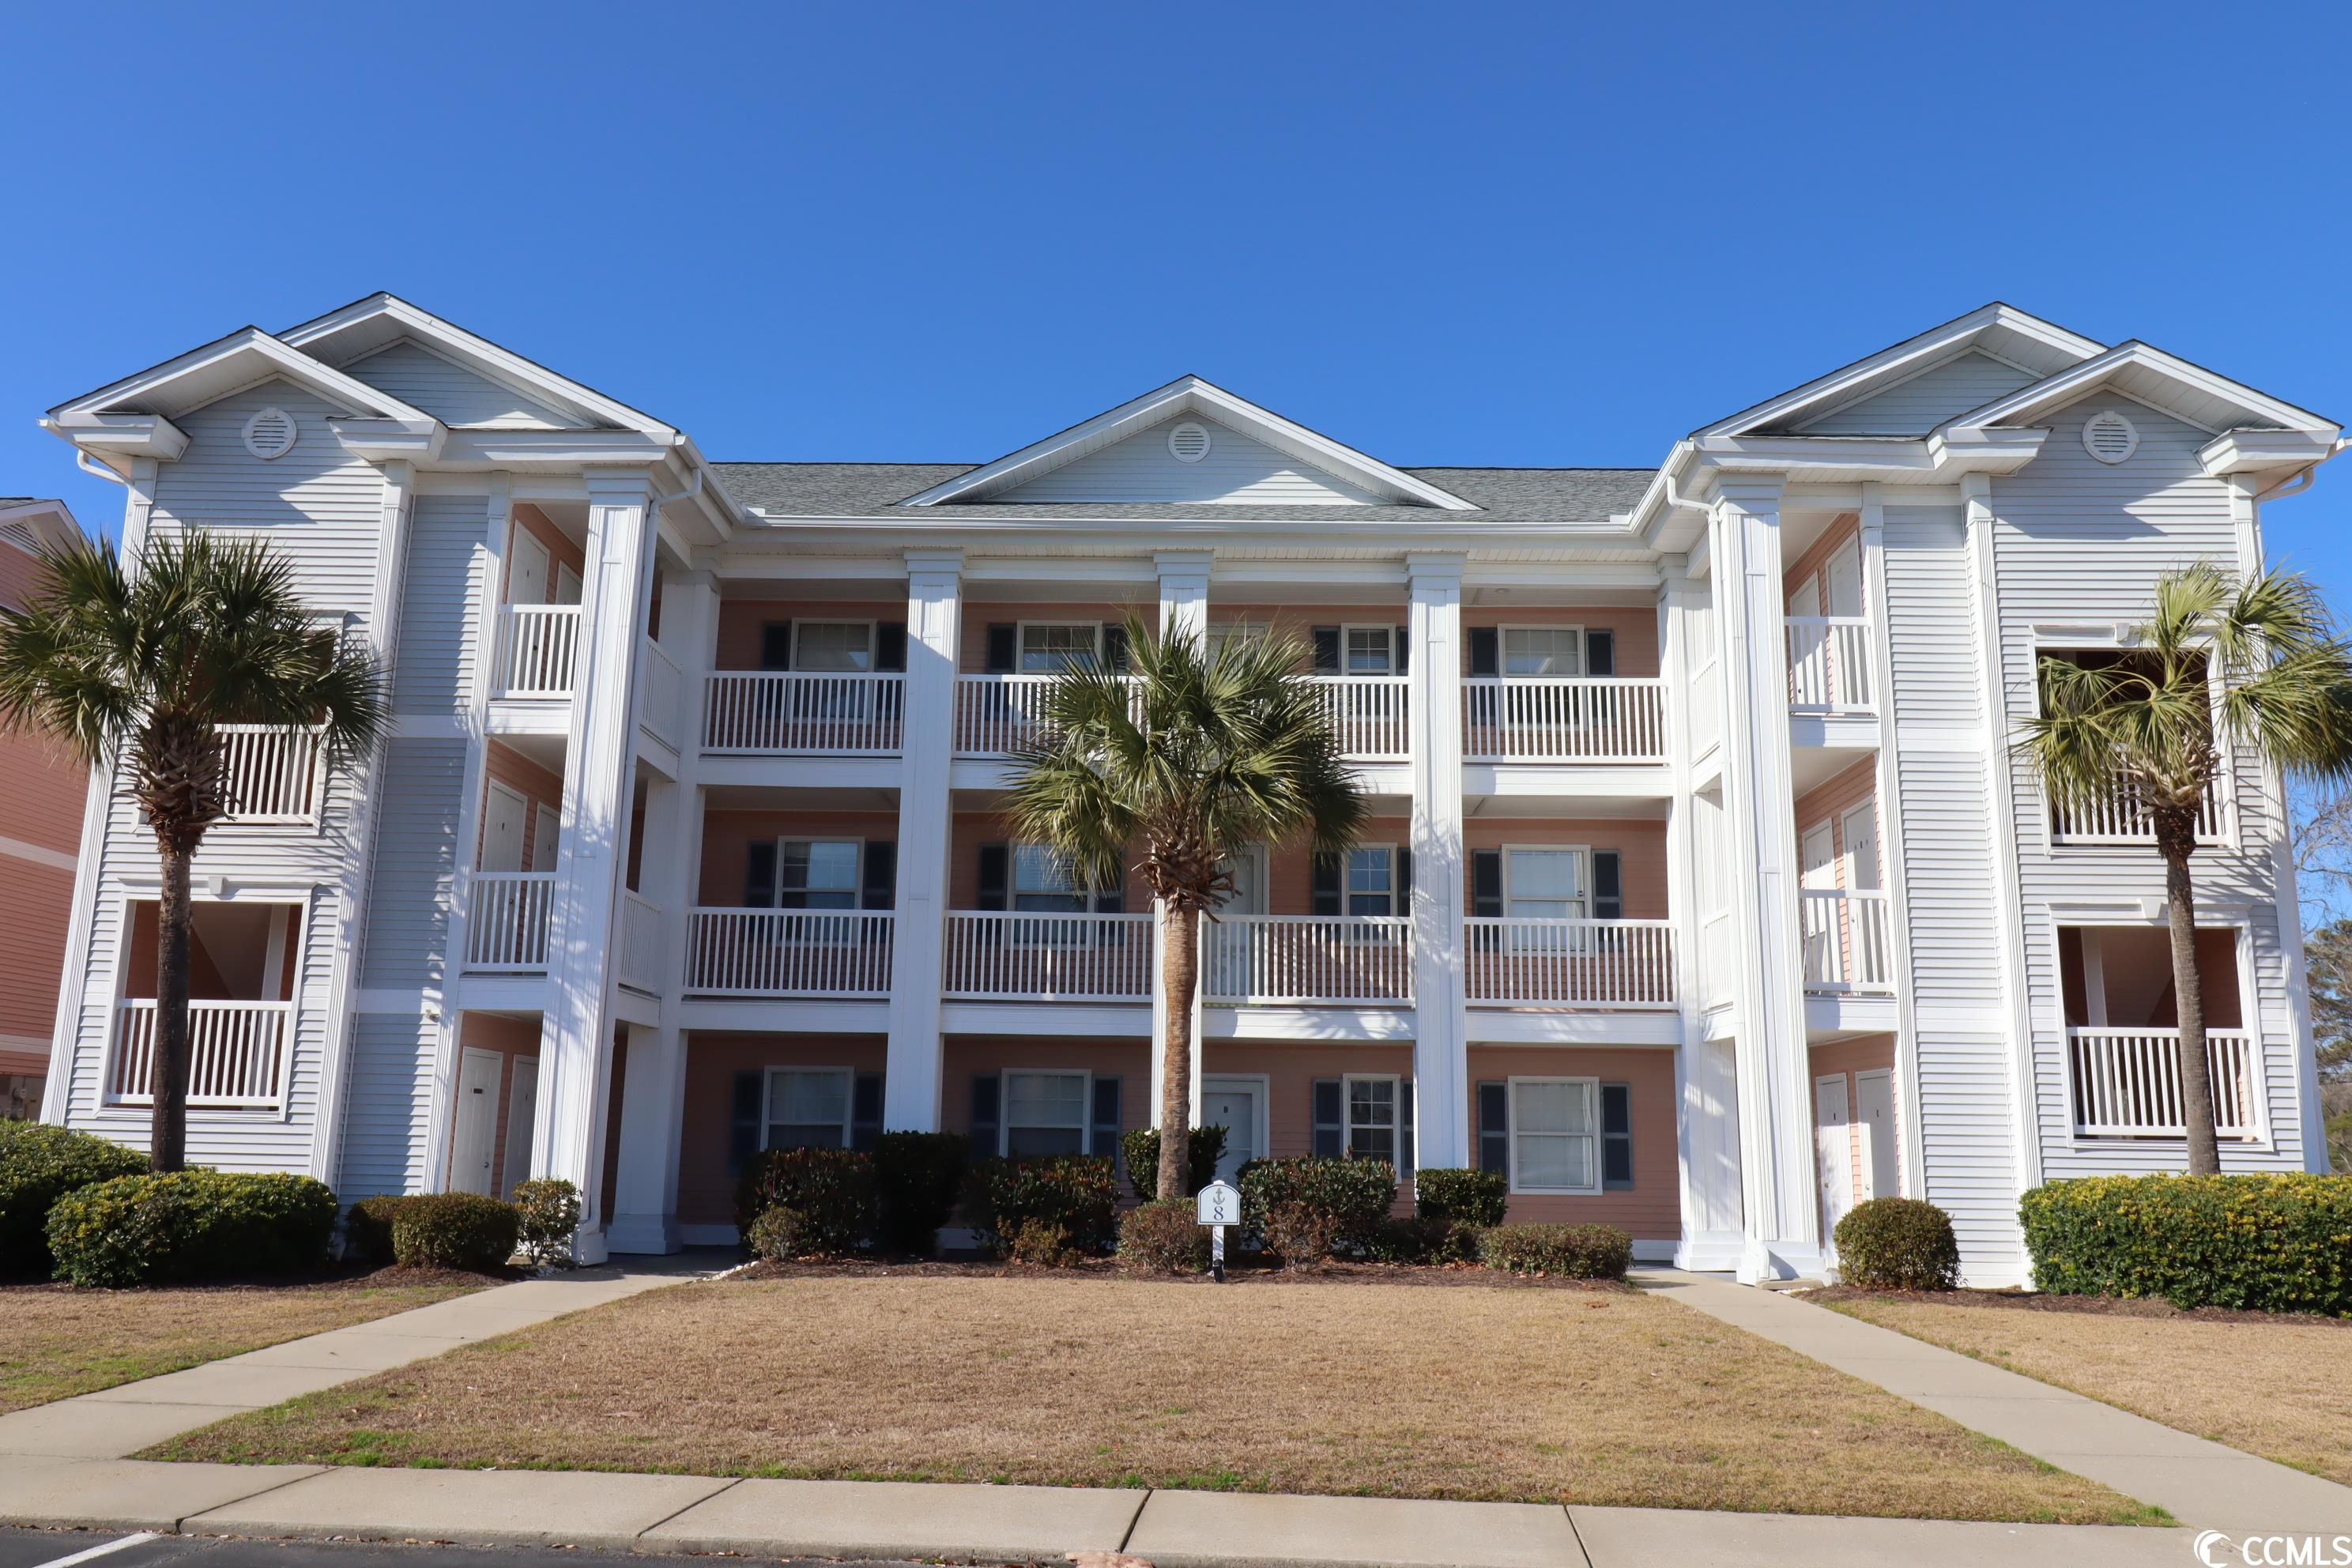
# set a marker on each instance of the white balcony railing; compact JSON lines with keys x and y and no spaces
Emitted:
{"x":1021,"y":956}
{"x":1526,"y":720}
{"x":2126,"y":1082}
{"x":637,"y":963}
{"x":1345,"y":960}
{"x":506,"y":920}
{"x":789,"y":952}
{"x":537,"y":646}
{"x":996,"y":715}
{"x":1371,"y":713}
{"x":1570,"y":963}
{"x":272,"y":773}
{"x":804,"y":713}
{"x":663,"y":707}
{"x":1849,"y":940}
{"x":2118,"y":819}
{"x":1828,"y":664}
{"x":236,"y":1054}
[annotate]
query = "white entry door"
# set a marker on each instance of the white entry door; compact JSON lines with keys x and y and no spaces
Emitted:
{"x":502,"y":819}
{"x":1237,"y":1105}
{"x":1833,"y":1148}
{"x":478,"y":1121}
{"x":546,"y":836}
{"x":526,"y":578}
{"x":1882,"y":1168}
{"x":522,"y":1115}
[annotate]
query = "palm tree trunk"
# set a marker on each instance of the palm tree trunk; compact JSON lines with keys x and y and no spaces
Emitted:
{"x":1180,"y":973}
{"x":2174,"y":841}
{"x":167,"y":1073}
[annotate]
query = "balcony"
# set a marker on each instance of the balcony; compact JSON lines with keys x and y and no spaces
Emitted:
{"x":273,"y":776}
{"x":1849,"y":943}
{"x":506,"y":921}
{"x":1285,"y":960}
{"x":1548,"y":719}
{"x":2125,"y":1083}
{"x":1570,"y":963}
{"x":996,"y":956}
{"x":1370,"y":713}
{"x":2118,"y":819}
{"x":538,"y":645}
{"x":1828,"y":664}
{"x":789,"y":952}
{"x":236,"y":1054}
{"x":794,"y":713}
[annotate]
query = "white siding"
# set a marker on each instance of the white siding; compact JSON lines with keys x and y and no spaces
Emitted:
{"x":1238,"y":472}
{"x":385,"y":1111}
{"x":435,"y":668}
{"x":450,"y":391}
{"x":415,"y":864}
{"x":1918,"y":405}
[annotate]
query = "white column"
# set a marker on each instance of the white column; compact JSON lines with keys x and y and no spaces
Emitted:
{"x":1441,"y":1061}
{"x":653,"y":1092}
{"x":1183,"y":607}
{"x":910,"y":1087}
{"x":1776,"y":1115}
{"x":576,"y":1036}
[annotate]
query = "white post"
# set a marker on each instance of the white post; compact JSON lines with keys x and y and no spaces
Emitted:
{"x":911,"y":1085}
{"x":1440,"y":1060}
{"x":1183,"y":607}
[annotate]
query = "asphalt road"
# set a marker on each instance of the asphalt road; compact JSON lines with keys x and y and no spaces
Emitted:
{"x":104,"y":1549}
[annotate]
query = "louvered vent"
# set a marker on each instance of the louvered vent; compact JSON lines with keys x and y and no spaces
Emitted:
{"x":19,"y":535}
{"x":270,"y":434}
{"x":2109,"y":437}
{"x":1189,"y":442}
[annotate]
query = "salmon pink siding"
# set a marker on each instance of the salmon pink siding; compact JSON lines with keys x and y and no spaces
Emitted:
{"x":504,"y":766}
{"x":1830,"y":802}
{"x":706,"y":1179}
{"x":45,"y":789}
{"x":743,"y":623}
{"x":564,"y":552}
{"x":728,"y":835}
{"x":511,"y":1039}
{"x":1813,"y":566}
{"x":38,"y":899}
{"x":965,"y":1058}
{"x":1291,"y":1072}
{"x":1651,"y":1207}
{"x":1848,"y":1057}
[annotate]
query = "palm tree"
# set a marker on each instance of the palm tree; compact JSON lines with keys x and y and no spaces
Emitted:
{"x":1187,"y":759}
{"x":137,"y":669}
{"x":2254,"y":665}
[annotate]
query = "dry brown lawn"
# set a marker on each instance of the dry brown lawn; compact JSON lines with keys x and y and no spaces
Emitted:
{"x":56,"y":1341}
{"x":1595,"y":1396}
{"x":2280,"y":1387}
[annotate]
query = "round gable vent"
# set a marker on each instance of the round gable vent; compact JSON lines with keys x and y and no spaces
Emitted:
{"x":1189,"y":442}
{"x":270,"y":434}
{"x":2109,"y":437}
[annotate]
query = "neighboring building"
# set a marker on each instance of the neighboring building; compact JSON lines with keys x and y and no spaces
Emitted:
{"x":40,"y":835}
{"x":1701,"y":894}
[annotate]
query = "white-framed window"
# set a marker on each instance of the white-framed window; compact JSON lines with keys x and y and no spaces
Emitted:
{"x":817,"y":873}
{"x":808,"y":1108}
{"x":1548,"y":882}
{"x":1045,"y":1113}
{"x":1370,"y":886}
{"x":1045,"y":883}
{"x":1242,"y":632}
{"x":1048,"y":648}
{"x":1367,"y":650}
{"x":1555,"y":1135}
{"x":1543,"y":651}
{"x":1371,"y":1112}
{"x":835,"y":647}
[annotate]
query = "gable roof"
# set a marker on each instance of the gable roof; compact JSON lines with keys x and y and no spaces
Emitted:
{"x":2176,"y":386}
{"x":227,"y":364}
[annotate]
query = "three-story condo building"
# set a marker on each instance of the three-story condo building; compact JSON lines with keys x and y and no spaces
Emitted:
{"x":1701,"y":894}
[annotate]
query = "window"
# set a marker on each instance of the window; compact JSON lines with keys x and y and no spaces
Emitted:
{"x":1372,"y":880}
{"x":833,"y":646}
{"x":1044,"y":883}
{"x":1554,"y":1130}
{"x":808,"y":1108}
{"x":1616,"y":1136}
{"x":1373,"y":1119}
{"x":1544,"y":884}
{"x":816,"y":874}
{"x":1237,"y":632}
{"x":1044,"y":1113}
{"x":1369,"y":650}
{"x":1048,"y":649}
{"x":1543,"y":650}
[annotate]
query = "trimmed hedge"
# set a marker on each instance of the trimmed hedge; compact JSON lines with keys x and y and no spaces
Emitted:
{"x":1418,"y":1240}
{"x":190,"y":1225}
{"x":1465,"y":1197}
{"x":367,"y":1228}
{"x":1077,"y":1193}
{"x":1897,"y":1244}
{"x":39,"y":1166}
{"x":832,"y":1189}
{"x":1570,"y":1251}
{"x":2272,"y":1244}
{"x":547,"y":1211}
{"x":917,"y":1176}
{"x":1142,"y":1147}
{"x":455,"y":1230}
{"x":1353,"y":1195}
{"x":1164,"y":1237}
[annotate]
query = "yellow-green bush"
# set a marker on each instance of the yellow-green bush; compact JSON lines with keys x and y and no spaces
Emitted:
{"x":190,"y":1225}
{"x":2266,"y":1243}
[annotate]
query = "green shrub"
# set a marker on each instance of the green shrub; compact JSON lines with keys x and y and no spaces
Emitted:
{"x":1299,"y":1233}
{"x":455,"y":1230}
{"x":1420,"y":1240}
{"x":2273,"y":1244}
{"x":1897,"y":1244}
{"x":190,"y":1225}
{"x":1142,"y":1147}
{"x":1043,"y":1243}
{"x":1353,"y":1195}
{"x":1465,"y":1197}
{"x":1569,"y":1251}
{"x":40,"y":1164}
{"x":775,"y":1235}
{"x":917,"y":1176}
{"x":1164,"y":1237}
{"x":548,"y":1212}
{"x":367,"y":1229}
{"x":832,"y":1189}
{"x":1078,"y":1193}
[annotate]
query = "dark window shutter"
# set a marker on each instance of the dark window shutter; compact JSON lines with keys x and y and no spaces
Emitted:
{"x":1485,"y":651}
{"x":1404,"y":1132}
{"x":995,"y":874}
{"x":759,"y":874}
{"x":1327,"y":885}
{"x":1404,"y":879}
{"x":1608,"y":885}
{"x":1103,"y":1136}
{"x":1114,"y":646}
{"x":1601,"y":653}
{"x":880,"y":888}
{"x":776,"y":646}
{"x":744,"y":1124}
{"x":1004,"y":648}
{"x":1494,"y":1127}
{"x":1327,"y":650}
{"x":1111,"y":901}
{"x":890,"y":645}
{"x":1616,"y":1135}
{"x":1330,"y":1119}
{"x":986,"y":1091}
{"x":1487,"y":882}
{"x":866,"y":1112}
{"x":1401,"y":660}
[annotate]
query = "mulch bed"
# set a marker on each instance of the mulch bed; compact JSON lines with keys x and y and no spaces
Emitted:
{"x":1246,"y":1272}
{"x":2042,"y":1301}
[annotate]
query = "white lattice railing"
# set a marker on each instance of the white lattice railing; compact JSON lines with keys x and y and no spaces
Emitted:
{"x":2116,"y":819}
{"x":789,"y":952}
{"x":506,"y":920}
{"x":1828,"y":664}
{"x":1848,"y":938}
{"x":236,"y":1054}
{"x":1520,"y":719}
{"x":272,"y":773}
{"x":637,"y":963}
{"x":663,"y":707}
{"x":1344,"y":959}
{"x":804,"y":712}
{"x":995,"y":956}
{"x":1570,"y":963}
{"x":1371,"y":715}
{"x":537,"y":646}
{"x":2126,"y":1082}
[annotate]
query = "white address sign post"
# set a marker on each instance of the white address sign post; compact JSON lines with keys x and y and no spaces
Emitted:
{"x":1219,"y":1206}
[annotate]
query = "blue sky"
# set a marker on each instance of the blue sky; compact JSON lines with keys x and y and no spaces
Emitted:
{"x":1447,"y":235}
